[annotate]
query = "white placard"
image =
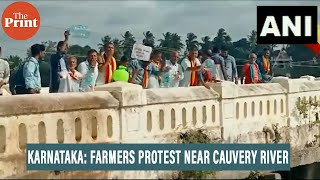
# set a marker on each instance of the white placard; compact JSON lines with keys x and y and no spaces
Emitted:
{"x":141,"y":52}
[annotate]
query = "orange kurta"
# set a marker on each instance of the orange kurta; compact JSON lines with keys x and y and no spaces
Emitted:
{"x":110,"y":68}
{"x":193,"y":78}
{"x":145,"y":78}
{"x":266,"y":64}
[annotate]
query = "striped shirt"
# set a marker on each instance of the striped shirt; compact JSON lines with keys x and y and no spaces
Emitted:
{"x":136,"y":65}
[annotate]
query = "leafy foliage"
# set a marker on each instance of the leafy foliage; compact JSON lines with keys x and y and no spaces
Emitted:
{"x":197,"y":136}
{"x":277,"y":134}
{"x":127,"y":43}
{"x":149,"y":39}
{"x":13,"y":61}
{"x":254,"y":175}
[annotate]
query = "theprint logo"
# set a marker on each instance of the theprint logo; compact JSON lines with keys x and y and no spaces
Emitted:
{"x":287,"y":24}
{"x":20,"y":20}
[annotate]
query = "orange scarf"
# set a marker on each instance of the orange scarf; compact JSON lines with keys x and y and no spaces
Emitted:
{"x":73,"y":76}
{"x":145,"y":77}
{"x":266,"y":64}
{"x":208,"y":76}
{"x":110,"y":68}
{"x":193,"y":78}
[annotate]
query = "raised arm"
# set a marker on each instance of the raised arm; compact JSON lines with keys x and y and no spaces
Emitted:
{"x":66,"y":38}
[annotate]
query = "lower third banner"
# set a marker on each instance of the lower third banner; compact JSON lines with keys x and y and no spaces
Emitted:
{"x":158,"y":157}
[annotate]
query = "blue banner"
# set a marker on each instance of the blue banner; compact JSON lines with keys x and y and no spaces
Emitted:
{"x":158,"y":157}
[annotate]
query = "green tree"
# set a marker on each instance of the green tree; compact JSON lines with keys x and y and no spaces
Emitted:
{"x":222,"y":39}
{"x":13,"y":61}
{"x":191,"y":41}
{"x":78,"y":50}
{"x":166,"y":41}
{"x":51,"y":46}
{"x":254,"y":47}
{"x":106,"y":39}
{"x":176,"y":42}
{"x":118,"y":51}
{"x":166,"y":44}
{"x":149,"y":39}
{"x":171,"y":42}
{"x":206,"y":43}
{"x":252,"y":39}
{"x":299,"y":52}
{"x":127,"y":43}
{"x":240,"y":49}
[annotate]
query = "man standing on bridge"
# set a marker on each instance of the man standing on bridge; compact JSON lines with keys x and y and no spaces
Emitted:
{"x":107,"y":66}
{"x":4,"y":72}
{"x":264,"y":64}
{"x":219,"y":63}
{"x":190,"y":66}
{"x":230,"y":65}
{"x":250,"y":71}
{"x":58,"y":64}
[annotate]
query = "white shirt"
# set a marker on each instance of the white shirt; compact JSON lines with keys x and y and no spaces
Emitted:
{"x":173,"y":70}
{"x":68,"y":84}
{"x":211,"y":66}
{"x":4,"y":72}
{"x":185,"y":82}
{"x":88,"y":84}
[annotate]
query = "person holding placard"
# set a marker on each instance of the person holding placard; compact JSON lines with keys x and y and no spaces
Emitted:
{"x":137,"y":66}
{"x":136,"y":71}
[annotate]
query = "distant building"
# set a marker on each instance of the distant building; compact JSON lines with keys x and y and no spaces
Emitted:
{"x":282,"y":64}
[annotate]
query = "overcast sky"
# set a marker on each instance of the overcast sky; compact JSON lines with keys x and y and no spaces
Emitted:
{"x":116,"y":17}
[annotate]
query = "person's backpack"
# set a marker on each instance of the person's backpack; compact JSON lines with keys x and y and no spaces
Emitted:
{"x":17,"y":79}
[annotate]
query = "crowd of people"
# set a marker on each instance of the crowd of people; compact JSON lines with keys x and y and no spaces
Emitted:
{"x":198,"y":69}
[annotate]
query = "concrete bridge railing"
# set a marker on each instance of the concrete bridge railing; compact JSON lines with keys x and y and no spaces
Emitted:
{"x":126,"y":113}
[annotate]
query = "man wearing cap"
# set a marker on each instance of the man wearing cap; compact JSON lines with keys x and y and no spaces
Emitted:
{"x":121,"y":73}
{"x":4,"y":72}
